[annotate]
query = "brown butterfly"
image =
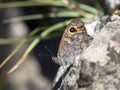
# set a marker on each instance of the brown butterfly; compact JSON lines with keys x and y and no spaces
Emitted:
{"x":74,"y":40}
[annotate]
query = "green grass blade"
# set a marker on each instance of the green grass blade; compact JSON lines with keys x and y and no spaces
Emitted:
{"x":50,"y":15}
{"x":30,"y":3}
{"x":18,"y":47}
{"x":36,"y":41}
{"x":41,"y":16}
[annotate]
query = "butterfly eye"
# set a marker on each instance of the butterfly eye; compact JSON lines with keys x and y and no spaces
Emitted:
{"x":72,"y":30}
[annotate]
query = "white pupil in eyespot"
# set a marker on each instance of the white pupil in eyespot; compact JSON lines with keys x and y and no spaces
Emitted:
{"x":73,"y":29}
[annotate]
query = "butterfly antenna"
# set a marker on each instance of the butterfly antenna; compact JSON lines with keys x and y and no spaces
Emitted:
{"x":44,"y":55}
{"x":49,"y":51}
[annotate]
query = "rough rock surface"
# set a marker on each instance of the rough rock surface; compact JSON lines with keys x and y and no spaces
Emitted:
{"x":98,"y":68}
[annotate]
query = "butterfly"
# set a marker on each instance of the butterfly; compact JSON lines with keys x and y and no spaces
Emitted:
{"x":73,"y":42}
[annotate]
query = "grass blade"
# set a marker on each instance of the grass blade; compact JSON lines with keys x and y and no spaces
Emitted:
{"x":18,"y":47}
{"x":36,"y":41}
